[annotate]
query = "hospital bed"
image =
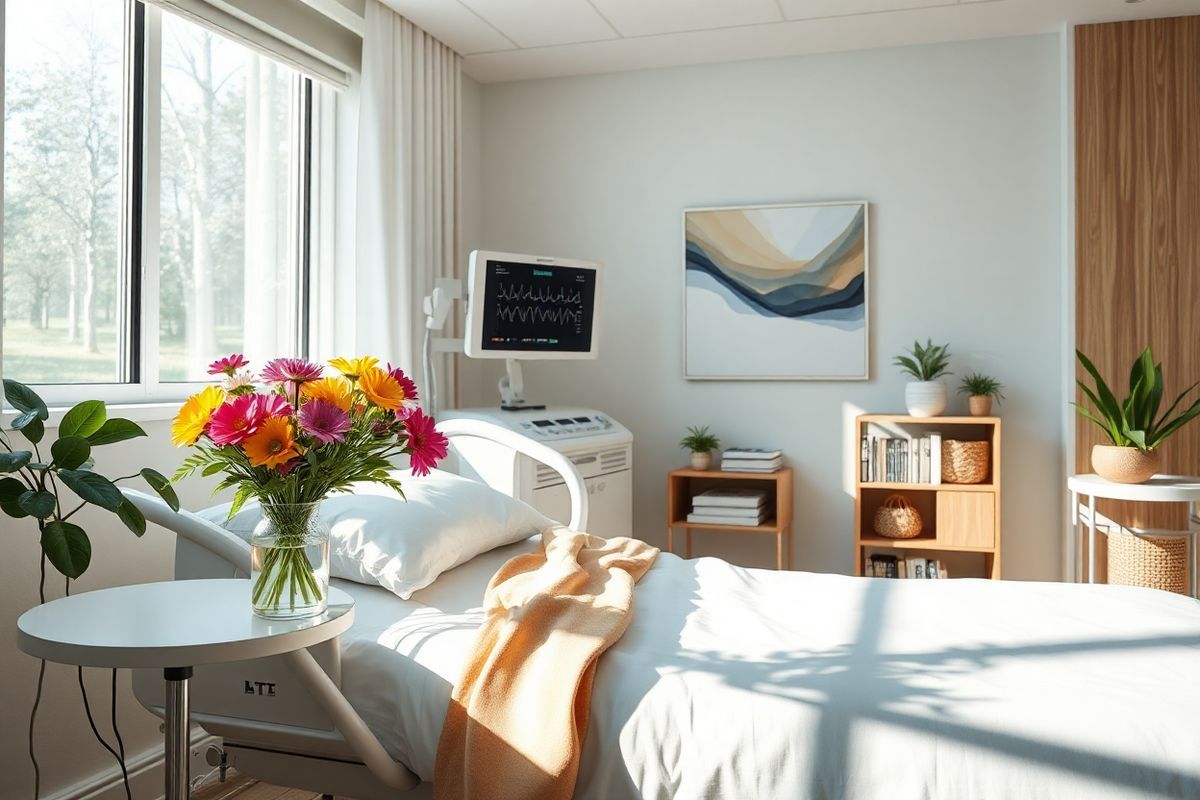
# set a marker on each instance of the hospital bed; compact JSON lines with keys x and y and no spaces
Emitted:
{"x":738,"y":683}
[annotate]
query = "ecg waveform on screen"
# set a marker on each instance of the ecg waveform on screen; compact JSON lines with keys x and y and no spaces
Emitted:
{"x":539,"y":305}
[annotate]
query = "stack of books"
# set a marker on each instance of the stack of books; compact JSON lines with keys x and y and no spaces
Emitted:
{"x":751,"y":459}
{"x":746,"y":507}
{"x":893,"y":459}
{"x":881,"y":566}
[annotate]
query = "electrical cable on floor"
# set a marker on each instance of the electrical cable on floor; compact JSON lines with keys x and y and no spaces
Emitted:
{"x":117,"y":732}
{"x":37,"y":697}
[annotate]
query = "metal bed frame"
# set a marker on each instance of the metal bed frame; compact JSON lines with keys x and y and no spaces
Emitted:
{"x":284,"y":719}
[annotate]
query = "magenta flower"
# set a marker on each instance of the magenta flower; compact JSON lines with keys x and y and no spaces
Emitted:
{"x":287,"y":467}
{"x":324,"y":421}
{"x":290,"y":370}
{"x":240,"y":417}
{"x":411,"y":399}
{"x":227,"y":365}
{"x":425,"y":446}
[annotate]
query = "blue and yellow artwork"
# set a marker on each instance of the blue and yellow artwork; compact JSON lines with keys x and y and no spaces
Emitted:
{"x":776,"y":292}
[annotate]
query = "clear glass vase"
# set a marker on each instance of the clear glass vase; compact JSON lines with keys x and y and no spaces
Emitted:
{"x":289,"y":561}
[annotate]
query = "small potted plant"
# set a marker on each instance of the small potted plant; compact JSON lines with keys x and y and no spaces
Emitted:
{"x":925,"y":396}
{"x":980,"y":390}
{"x":701,"y":443}
{"x":1133,"y":426}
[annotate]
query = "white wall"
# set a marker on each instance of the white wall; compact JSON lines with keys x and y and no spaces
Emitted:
{"x":957,"y":148}
{"x":66,"y":750}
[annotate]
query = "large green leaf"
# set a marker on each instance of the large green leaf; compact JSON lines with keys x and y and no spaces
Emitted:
{"x":11,"y":489}
{"x":1107,"y":403}
{"x":159,"y":483}
{"x":37,"y":504}
{"x":34,"y":431}
{"x":83,"y":420}
{"x":93,"y":488}
{"x":70,"y":452}
{"x":13,"y":509}
{"x":24,"y":399}
{"x":68,"y":548}
{"x":132,"y":517}
{"x":115,"y":430}
{"x":11,"y":462}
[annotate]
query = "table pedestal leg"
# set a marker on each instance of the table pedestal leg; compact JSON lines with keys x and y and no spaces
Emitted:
{"x":178,"y":725}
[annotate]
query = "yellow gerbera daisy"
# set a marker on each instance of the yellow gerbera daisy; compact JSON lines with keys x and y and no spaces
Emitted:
{"x":352,"y":368}
{"x":272,"y":445}
{"x":194,"y":415}
{"x":335,"y":389}
{"x":381,"y":388}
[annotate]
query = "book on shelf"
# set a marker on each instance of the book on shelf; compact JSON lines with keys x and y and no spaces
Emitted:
{"x":731,"y":511}
{"x":751,"y":465}
{"x":877,"y":565}
{"x":751,"y":520}
{"x":751,"y":453}
{"x":901,"y":459}
{"x":733,"y":498}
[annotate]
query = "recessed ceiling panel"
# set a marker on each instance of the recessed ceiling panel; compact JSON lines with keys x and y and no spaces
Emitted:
{"x":539,"y":23}
{"x":648,"y":17}
{"x":452,"y":23}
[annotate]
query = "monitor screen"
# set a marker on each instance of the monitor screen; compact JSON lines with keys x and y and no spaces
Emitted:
{"x":534,"y":307}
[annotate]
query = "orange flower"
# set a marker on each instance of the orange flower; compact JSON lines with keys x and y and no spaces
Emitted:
{"x":381,"y":388}
{"x":335,"y":390}
{"x":352,"y":368}
{"x":272,"y":445}
{"x":194,"y":415}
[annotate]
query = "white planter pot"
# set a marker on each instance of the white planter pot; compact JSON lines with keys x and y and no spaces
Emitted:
{"x":925,"y":398}
{"x":701,"y":460}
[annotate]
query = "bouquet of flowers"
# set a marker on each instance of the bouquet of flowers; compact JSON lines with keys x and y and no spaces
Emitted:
{"x":287,"y":438}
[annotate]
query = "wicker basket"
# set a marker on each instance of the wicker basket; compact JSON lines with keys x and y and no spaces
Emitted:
{"x":897,"y":519}
{"x":965,"y":462}
{"x":1156,"y":562}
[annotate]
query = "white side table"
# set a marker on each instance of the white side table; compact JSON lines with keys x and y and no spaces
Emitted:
{"x":1159,"y":489}
{"x":173,"y":626}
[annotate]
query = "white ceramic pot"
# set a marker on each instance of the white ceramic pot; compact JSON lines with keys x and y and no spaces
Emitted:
{"x":1124,"y":464}
{"x":925,"y":398}
{"x":701,"y":460}
{"x":980,"y":405}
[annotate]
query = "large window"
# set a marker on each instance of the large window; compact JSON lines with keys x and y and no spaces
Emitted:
{"x":155,"y":203}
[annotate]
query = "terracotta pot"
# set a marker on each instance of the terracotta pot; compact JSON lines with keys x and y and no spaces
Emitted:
{"x":980,"y":405}
{"x":701,"y":460}
{"x":925,"y":398}
{"x":1124,"y":464}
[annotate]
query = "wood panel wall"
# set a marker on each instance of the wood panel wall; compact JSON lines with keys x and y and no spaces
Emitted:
{"x":1137,"y":184}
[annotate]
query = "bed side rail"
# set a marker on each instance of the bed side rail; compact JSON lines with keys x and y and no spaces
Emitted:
{"x":576,"y":488}
{"x":213,"y":538}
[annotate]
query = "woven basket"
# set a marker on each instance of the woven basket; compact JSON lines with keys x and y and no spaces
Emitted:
{"x":1156,"y":562}
{"x":897,"y":519}
{"x":965,"y":462}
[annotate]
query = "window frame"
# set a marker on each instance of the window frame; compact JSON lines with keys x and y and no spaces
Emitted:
{"x":139,"y":214}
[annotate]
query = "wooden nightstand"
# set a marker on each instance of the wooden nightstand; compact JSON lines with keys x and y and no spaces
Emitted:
{"x":683,"y":484}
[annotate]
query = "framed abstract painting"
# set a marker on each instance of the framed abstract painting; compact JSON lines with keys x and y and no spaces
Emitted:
{"x":776,"y":292}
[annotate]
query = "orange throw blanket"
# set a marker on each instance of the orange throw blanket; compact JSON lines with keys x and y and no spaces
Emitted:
{"x":518,"y":715}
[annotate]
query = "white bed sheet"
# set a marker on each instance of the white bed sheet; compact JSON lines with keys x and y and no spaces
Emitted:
{"x":743,"y":683}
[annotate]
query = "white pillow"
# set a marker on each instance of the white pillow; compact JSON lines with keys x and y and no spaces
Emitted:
{"x":379,"y":537}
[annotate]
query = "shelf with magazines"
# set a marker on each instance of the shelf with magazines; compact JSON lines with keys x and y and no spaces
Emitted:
{"x":731,"y":502}
{"x":941,"y":477}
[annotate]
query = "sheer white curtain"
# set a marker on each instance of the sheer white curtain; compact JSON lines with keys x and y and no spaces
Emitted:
{"x":407,"y":195}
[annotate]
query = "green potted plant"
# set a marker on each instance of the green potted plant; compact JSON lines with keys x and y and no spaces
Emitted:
{"x":701,"y":444}
{"x":981,"y":390}
{"x":1133,"y":426}
{"x":926,"y":395}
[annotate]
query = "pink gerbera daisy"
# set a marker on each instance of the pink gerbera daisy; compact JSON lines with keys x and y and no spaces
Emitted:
{"x":227,"y":365}
{"x":324,"y":421}
{"x":411,"y":400}
{"x":425,"y":445}
{"x":290,"y":370}
{"x":236,"y":420}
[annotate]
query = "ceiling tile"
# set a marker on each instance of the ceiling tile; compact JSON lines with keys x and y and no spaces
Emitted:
{"x":643,"y":18}
{"x":538,"y":23}
{"x":815,"y":9}
{"x":452,"y":23}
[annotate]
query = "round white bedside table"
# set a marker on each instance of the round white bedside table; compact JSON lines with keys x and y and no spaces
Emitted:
{"x":1159,"y":489}
{"x":172,"y":626}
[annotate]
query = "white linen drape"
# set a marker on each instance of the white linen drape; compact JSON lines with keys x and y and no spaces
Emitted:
{"x":407,"y":188}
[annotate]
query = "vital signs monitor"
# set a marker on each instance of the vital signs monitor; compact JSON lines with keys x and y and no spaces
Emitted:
{"x":531,"y":307}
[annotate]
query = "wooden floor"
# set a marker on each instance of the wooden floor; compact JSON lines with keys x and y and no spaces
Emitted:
{"x":250,"y":789}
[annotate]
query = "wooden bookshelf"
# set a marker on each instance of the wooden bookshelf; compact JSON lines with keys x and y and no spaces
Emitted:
{"x":957,"y":518}
{"x":684,"y":484}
